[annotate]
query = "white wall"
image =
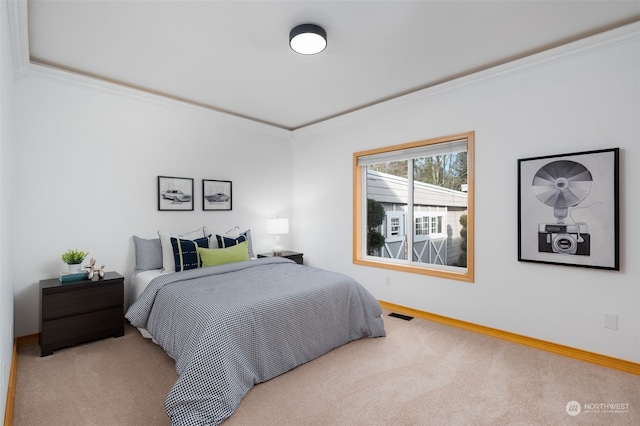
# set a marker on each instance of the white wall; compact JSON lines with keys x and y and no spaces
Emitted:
{"x":582,"y":97}
{"x":6,"y":268}
{"x":87,"y":161}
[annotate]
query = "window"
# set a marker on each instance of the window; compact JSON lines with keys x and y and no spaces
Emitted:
{"x":422,"y":226}
{"x":395,"y":227}
{"x":413,"y":207}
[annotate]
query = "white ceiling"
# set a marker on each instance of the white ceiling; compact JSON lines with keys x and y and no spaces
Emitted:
{"x":233,"y":56}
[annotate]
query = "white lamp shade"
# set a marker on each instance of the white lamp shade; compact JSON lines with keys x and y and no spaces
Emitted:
{"x":277,"y":226}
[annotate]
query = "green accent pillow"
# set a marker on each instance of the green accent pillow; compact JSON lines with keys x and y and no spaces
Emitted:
{"x":213,"y":257}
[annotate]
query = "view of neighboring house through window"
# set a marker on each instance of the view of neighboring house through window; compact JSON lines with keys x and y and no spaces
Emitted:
{"x":414,"y":207}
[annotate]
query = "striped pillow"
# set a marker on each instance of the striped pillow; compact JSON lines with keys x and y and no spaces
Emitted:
{"x":185,"y":252}
{"x":224,"y":242}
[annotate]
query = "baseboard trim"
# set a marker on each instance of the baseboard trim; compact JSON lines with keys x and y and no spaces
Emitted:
{"x":594,"y":358}
{"x":11,"y":391}
{"x":31,"y":339}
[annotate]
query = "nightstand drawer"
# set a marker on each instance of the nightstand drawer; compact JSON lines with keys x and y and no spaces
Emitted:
{"x":78,"y":301}
{"x":296,"y":258}
{"x":74,"y":329}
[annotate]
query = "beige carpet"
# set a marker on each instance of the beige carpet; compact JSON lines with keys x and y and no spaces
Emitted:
{"x":422,"y":373}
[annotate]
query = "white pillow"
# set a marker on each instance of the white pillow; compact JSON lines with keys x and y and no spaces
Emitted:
{"x":168,"y":262}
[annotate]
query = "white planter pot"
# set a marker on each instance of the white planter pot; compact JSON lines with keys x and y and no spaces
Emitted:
{"x":74,"y":268}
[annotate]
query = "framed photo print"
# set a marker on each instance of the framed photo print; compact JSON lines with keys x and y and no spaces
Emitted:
{"x":175,"y":193}
{"x":216,"y":195}
{"x":568,"y":209}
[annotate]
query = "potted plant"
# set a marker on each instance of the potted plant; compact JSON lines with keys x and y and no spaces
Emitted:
{"x":73,"y":258}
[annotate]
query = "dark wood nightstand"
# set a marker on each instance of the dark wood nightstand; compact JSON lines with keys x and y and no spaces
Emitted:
{"x":293,"y":255}
{"x":80,"y":311}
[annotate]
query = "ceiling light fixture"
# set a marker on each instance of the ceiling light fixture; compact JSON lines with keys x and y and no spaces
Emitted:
{"x":308,"y":39}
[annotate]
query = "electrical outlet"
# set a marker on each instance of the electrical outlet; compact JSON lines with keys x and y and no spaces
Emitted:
{"x":611,"y":321}
{"x":387,"y":280}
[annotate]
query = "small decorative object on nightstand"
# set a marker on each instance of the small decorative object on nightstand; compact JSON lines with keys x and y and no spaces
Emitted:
{"x":73,"y":258}
{"x":92,"y":269}
{"x":80,"y":311}
{"x":293,"y":255}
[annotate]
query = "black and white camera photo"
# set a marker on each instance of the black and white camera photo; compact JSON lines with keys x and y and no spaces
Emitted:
{"x":561,"y":185}
{"x":568,"y":209}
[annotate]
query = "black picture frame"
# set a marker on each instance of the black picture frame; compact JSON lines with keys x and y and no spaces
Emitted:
{"x":568,"y":209}
{"x":216,"y":195}
{"x":175,"y":193}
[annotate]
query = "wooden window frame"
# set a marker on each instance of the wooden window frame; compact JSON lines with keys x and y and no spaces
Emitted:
{"x":359,"y":229}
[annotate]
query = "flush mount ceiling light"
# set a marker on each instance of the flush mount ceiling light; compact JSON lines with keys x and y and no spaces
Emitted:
{"x":308,"y":39}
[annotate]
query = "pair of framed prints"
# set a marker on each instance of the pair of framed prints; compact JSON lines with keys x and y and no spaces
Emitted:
{"x":177,"y":194}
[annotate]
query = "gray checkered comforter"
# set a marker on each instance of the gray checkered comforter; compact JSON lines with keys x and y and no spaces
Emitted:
{"x":229,"y":327}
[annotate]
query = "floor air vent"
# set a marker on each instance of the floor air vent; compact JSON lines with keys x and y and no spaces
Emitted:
{"x":404,"y":317}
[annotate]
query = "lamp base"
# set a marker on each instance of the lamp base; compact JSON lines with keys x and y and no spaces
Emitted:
{"x":277,"y":250}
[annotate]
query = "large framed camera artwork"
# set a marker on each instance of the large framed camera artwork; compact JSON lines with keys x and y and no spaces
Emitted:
{"x":568,"y":209}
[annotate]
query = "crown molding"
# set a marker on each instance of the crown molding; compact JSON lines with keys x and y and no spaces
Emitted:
{"x":621,"y":35}
{"x":46,"y":72}
{"x":17,"y":14}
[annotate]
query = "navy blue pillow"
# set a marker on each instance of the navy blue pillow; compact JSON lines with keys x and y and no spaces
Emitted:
{"x":224,"y":242}
{"x":185,"y":254}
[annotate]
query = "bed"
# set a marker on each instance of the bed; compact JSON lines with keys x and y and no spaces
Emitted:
{"x":234,"y":325}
